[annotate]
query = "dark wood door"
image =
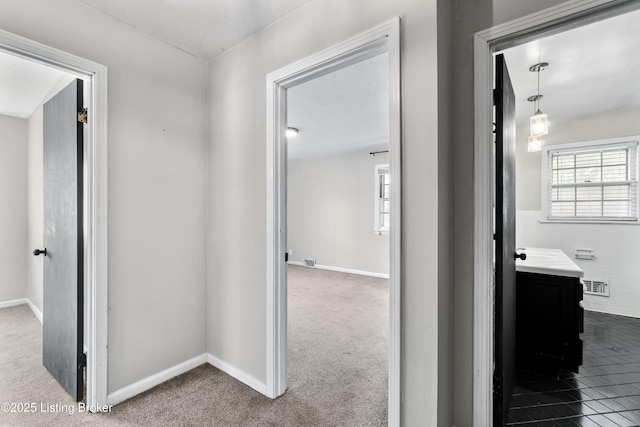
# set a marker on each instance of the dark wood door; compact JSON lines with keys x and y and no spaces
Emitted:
{"x":505,"y":266}
{"x":62,"y":350}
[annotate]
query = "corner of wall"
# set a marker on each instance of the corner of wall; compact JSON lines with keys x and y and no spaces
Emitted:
{"x":445,"y":209}
{"x":469,"y":16}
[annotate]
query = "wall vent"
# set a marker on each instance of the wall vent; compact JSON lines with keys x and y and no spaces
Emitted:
{"x":596,"y":287}
{"x":310,"y":262}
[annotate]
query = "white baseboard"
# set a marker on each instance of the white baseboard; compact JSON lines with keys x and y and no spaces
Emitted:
{"x":35,"y":310}
{"x":343,"y":270}
{"x":13,"y":302}
{"x":615,"y":313}
{"x":21,"y":301}
{"x":238,"y":374}
{"x":148,"y":383}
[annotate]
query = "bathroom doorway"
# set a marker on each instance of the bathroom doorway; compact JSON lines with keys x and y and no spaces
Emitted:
{"x":553,"y":21}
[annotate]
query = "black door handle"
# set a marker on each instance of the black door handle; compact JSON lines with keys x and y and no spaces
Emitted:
{"x":37,"y":252}
{"x":522,"y":256}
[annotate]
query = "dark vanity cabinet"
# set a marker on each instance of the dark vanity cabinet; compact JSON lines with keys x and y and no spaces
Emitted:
{"x":549,"y":320}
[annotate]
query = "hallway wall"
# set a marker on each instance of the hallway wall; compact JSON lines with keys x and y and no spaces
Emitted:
{"x":237,"y":250}
{"x":13,"y":208}
{"x":157,"y":170}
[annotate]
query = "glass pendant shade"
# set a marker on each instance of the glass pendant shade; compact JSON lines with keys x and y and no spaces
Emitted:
{"x":535,"y":143}
{"x":539,"y":124}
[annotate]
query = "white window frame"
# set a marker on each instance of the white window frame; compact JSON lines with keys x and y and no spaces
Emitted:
{"x":378,"y":201}
{"x":547,"y":151}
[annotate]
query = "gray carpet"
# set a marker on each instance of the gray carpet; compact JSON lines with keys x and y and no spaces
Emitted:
{"x":338,"y":337}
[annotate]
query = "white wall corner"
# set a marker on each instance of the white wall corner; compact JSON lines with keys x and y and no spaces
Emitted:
{"x":35,"y":310}
{"x":238,"y":374}
{"x":151,"y":381}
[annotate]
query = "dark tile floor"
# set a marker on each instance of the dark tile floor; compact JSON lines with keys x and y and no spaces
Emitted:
{"x":605,"y":393}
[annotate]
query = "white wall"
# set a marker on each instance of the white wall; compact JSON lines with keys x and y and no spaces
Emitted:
{"x":35,"y":208}
{"x":617,"y":250}
{"x":237,"y":191}
{"x":331,"y":212}
{"x":157,"y":171}
{"x":508,"y":10}
{"x":612,"y":124}
{"x":13,"y":208}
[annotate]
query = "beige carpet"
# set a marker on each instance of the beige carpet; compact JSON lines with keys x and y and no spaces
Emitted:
{"x":338,"y":339}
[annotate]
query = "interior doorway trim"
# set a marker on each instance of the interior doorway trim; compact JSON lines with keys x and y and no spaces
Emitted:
{"x":382,"y":38}
{"x":546,"y":22}
{"x":95,"y":166}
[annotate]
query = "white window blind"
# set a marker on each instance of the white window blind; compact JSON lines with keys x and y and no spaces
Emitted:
{"x":593,"y":183}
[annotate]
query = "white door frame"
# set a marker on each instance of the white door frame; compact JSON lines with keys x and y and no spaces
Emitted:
{"x":95,"y":169}
{"x":382,"y":38}
{"x":549,"y":21}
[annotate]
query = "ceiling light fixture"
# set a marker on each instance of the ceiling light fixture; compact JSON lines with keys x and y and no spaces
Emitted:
{"x":535,"y":143}
{"x":538,"y":122}
{"x":292,"y":132}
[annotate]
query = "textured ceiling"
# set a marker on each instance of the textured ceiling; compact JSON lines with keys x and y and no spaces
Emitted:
{"x":341,"y":111}
{"x":592,"y":69}
{"x":24,"y":85}
{"x":204,"y":28}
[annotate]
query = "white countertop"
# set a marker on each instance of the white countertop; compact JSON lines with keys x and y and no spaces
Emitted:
{"x":547,"y":261}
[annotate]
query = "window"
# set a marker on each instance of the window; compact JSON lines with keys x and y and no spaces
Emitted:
{"x":593,"y":181}
{"x":382,"y":199}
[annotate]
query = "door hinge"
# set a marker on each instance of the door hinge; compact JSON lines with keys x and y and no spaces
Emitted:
{"x":286,"y":257}
{"x":82,"y":116}
{"x":82,"y":361}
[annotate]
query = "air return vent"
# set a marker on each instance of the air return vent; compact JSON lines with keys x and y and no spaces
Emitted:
{"x":310,"y":262}
{"x":596,"y":287}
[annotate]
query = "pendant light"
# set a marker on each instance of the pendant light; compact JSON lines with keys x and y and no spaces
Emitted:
{"x":538,"y":122}
{"x":535,"y":140}
{"x":535,"y":143}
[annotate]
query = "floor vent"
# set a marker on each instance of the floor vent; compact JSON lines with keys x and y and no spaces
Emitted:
{"x":596,"y":287}
{"x":310,"y":262}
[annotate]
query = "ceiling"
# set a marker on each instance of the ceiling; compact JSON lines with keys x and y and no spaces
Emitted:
{"x":203,"y":28}
{"x":592,"y":69}
{"x":24,"y":85}
{"x":342,"y":111}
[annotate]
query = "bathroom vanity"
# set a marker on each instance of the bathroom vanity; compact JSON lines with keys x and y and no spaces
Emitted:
{"x":549,"y":316}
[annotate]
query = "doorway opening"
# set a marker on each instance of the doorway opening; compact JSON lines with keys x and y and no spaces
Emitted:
{"x":383,"y":39}
{"x":94,"y":169}
{"x":576,"y":197}
{"x":338,"y":200}
{"x":552,"y":21}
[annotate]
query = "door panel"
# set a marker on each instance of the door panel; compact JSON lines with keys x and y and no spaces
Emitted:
{"x":505,"y":267}
{"x":62,"y":348}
